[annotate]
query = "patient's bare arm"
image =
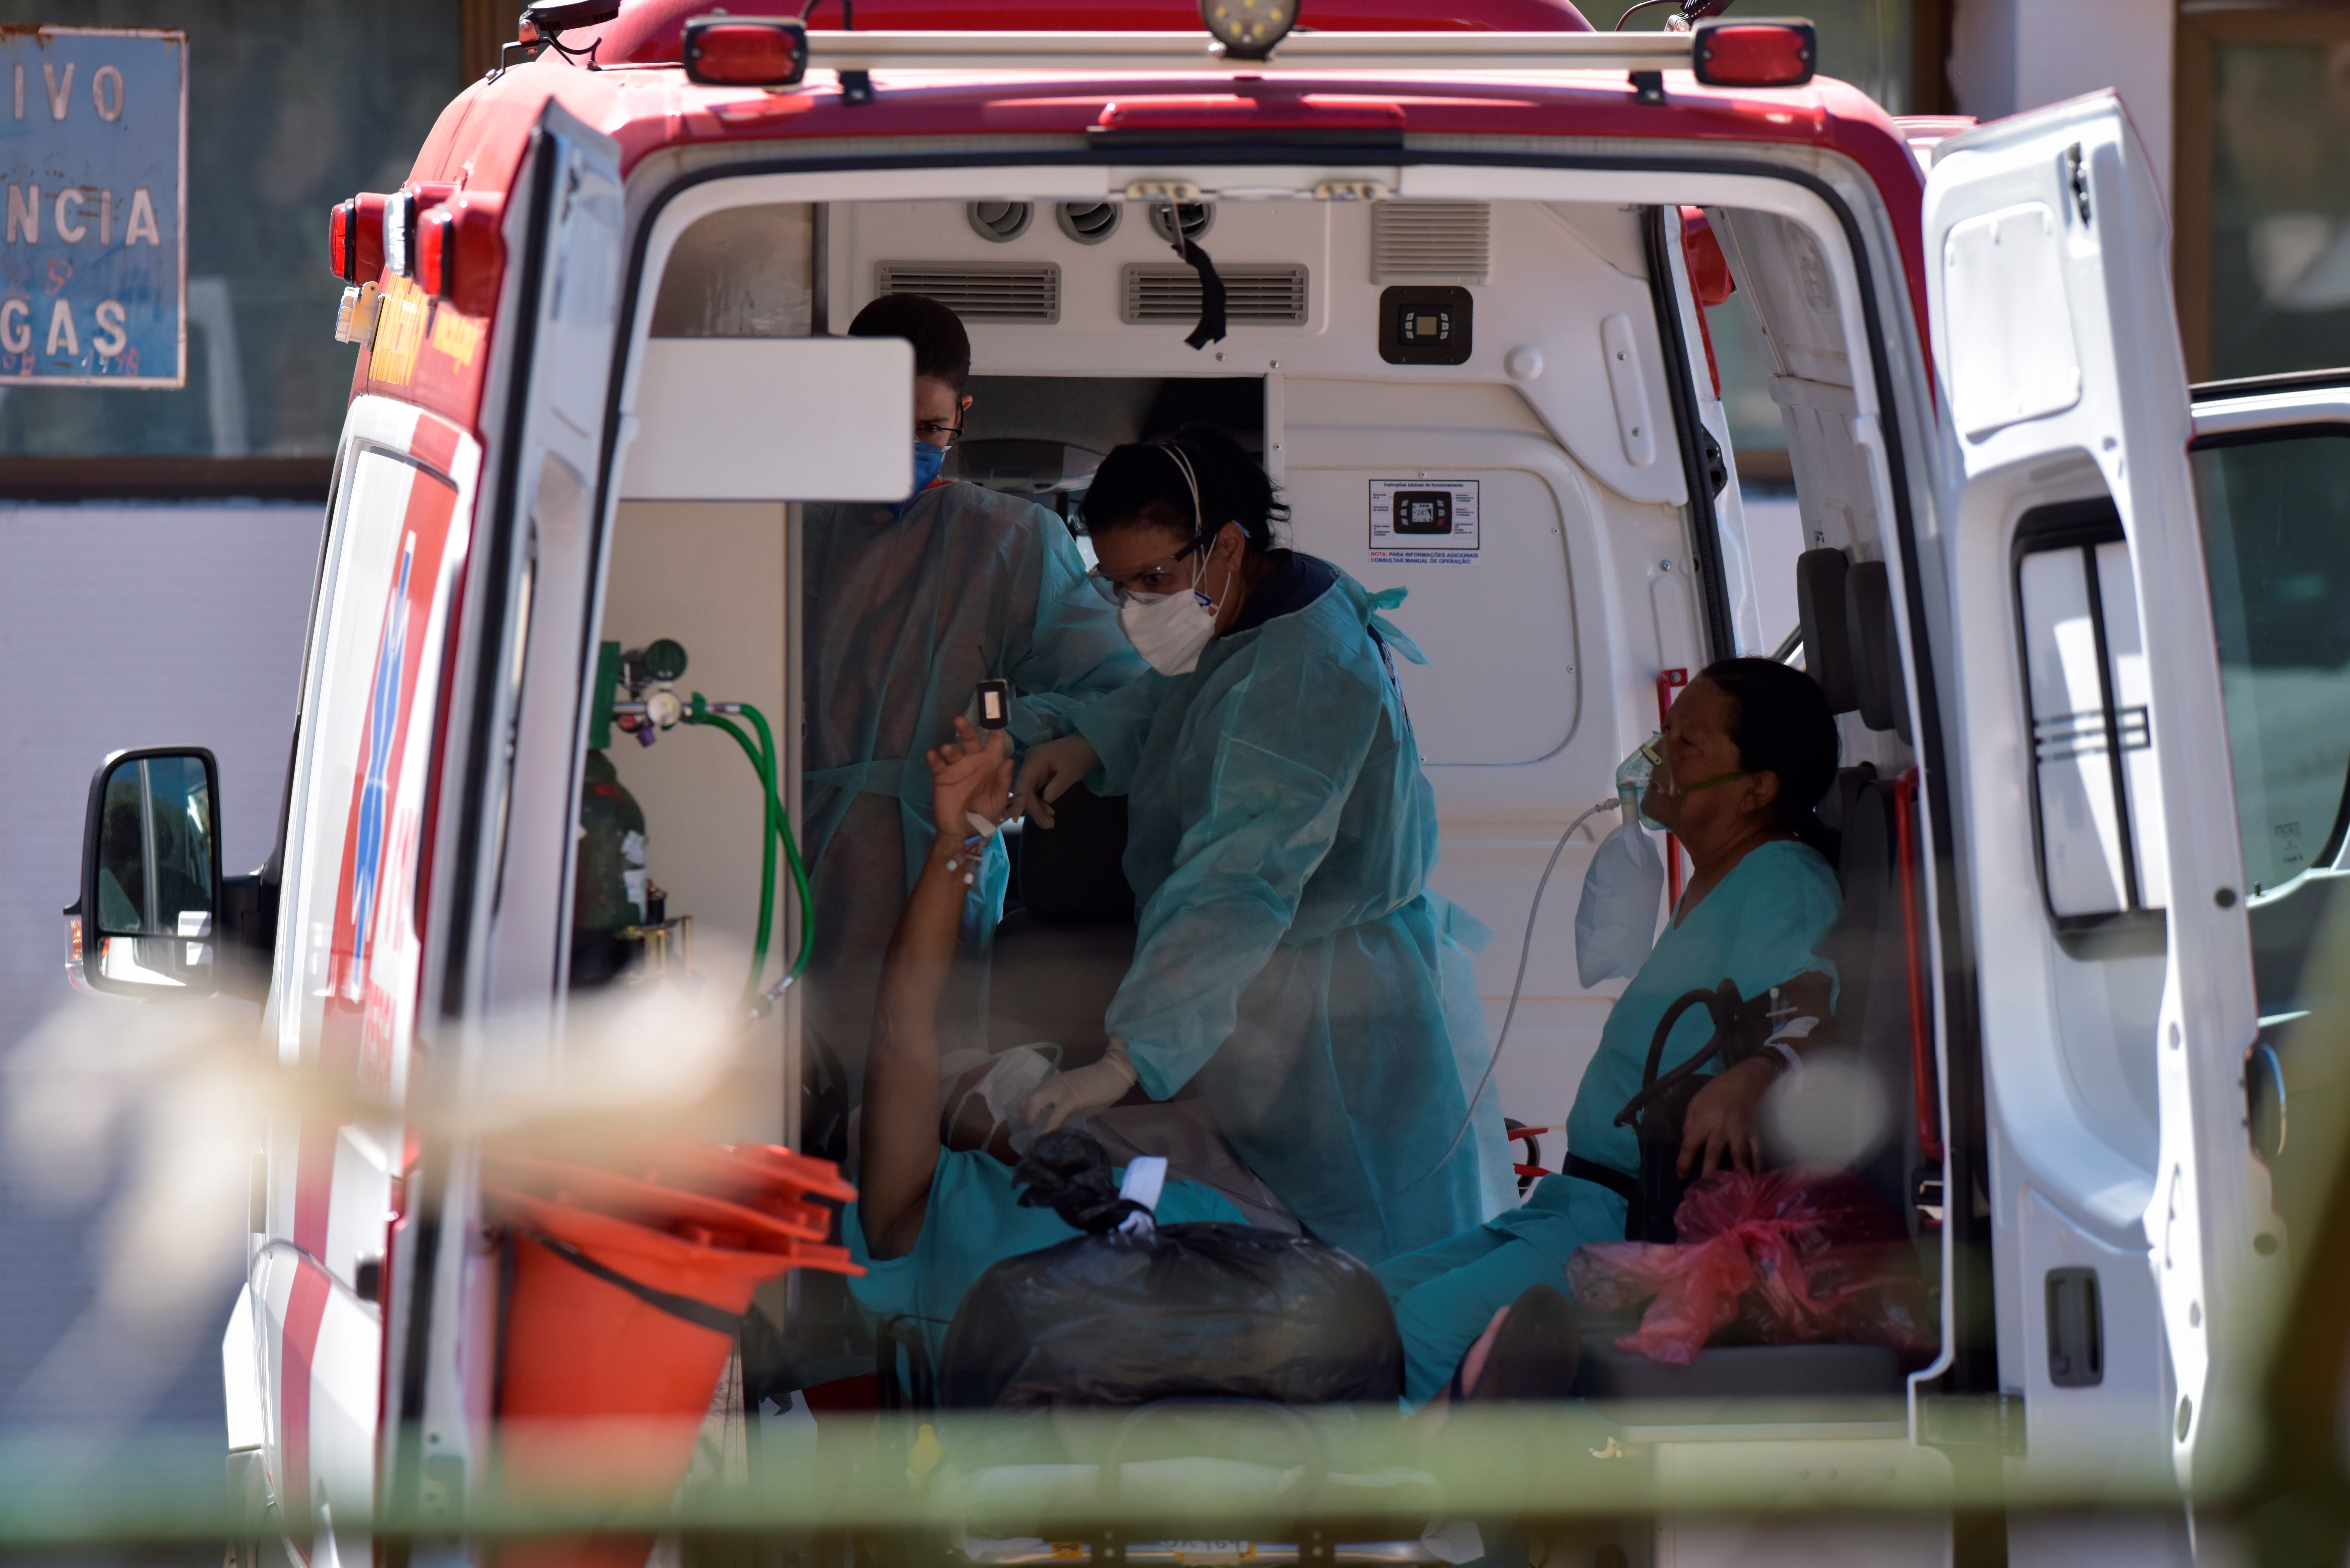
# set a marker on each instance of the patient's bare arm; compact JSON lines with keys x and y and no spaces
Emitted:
{"x":900,"y":1131}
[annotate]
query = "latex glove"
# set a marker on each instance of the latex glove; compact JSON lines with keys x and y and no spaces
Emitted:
{"x":1047,"y":774}
{"x":1079,"y":1092}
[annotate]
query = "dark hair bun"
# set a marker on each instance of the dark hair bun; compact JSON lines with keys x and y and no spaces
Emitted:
{"x":1145,"y":482}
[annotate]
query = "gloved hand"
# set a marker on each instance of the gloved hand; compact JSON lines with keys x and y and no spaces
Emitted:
{"x":1079,"y":1092}
{"x":1047,"y":774}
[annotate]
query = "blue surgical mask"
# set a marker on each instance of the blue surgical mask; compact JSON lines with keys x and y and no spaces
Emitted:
{"x":928,"y":461}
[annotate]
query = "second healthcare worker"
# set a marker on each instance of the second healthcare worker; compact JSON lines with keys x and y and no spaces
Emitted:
{"x":1289,"y":956}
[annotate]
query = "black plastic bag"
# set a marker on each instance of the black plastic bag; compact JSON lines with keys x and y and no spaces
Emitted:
{"x":1189,"y":1310}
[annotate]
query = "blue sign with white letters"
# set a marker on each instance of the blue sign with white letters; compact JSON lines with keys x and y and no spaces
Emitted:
{"x":93,"y":194}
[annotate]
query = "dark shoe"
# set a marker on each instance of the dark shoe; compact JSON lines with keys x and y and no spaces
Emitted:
{"x":1536,"y":1354}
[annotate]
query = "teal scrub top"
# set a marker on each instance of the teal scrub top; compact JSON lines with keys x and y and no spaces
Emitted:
{"x":973,"y":1222}
{"x":1289,"y":954}
{"x":1762,"y":926}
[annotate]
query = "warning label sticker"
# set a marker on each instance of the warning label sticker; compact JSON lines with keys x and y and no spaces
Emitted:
{"x":1426,"y":521}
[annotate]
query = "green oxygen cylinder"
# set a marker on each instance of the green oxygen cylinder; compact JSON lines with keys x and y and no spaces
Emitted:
{"x":610,"y":889}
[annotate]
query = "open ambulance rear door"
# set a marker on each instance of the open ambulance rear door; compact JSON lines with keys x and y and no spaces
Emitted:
{"x":502,"y":838}
{"x":2133,"y":1231}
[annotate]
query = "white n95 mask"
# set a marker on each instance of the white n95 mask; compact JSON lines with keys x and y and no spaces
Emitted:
{"x":1615,"y":919}
{"x":1169,"y":630}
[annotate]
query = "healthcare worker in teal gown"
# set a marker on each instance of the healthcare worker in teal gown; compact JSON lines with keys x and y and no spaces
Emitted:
{"x":905,"y":609}
{"x":1290,"y":957}
{"x":1750,"y":748}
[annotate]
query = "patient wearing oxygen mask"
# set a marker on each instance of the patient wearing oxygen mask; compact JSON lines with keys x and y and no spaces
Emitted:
{"x":1746,"y":755}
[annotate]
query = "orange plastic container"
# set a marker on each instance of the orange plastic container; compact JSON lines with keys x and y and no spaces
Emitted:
{"x":620,"y":1316}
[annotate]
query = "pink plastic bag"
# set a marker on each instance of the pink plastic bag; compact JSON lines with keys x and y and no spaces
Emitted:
{"x":1791,"y":1256}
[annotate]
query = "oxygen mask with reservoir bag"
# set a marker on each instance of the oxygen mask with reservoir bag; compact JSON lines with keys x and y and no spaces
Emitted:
{"x":1645,"y":780}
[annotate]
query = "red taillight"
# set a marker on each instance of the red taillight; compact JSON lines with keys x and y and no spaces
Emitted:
{"x":461,"y":252}
{"x":1755,"y":54}
{"x":745,"y":51}
{"x":354,"y":238}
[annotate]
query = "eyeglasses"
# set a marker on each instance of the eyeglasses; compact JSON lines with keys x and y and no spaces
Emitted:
{"x":938,"y":433}
{"x":1157,"y":578}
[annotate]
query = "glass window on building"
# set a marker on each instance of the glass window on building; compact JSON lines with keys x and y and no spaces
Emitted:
{"x":2263,"y":198}
{"x":293,"y":105}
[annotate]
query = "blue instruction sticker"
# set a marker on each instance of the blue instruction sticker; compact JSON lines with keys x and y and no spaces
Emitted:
{"x":93,"y":193}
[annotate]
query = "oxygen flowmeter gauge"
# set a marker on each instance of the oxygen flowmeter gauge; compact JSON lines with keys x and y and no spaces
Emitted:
{"x":634,"y":694}
{"x":663,"y":661}
{"x":647,"y":673}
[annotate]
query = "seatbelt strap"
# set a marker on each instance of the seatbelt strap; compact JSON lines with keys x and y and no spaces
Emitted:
{"x":1922,"y":1078}
{"x":1625,"y":1187}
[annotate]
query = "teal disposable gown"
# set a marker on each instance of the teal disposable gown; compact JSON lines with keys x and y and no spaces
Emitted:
{"x":1762,"y":926}
{"x":1280,"y":835}
{"x":973,"y":1222}
{"x":902,"y":618}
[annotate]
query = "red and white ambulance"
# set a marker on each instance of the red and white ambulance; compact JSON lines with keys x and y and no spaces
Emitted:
{"x":2080,"y":623}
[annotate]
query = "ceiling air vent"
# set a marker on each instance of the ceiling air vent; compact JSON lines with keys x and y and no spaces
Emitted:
{"x":1272,"y":295}
{"x":1000,"y":220}
{"x":979,"y":291}
{"x":1432,"y":241}
{"x":1087,"y":222}
{"x":1198,"y":218}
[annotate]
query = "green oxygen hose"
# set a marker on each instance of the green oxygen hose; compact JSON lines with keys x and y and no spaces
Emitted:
{"x":777,"y":826}
{"x":783,"y":822}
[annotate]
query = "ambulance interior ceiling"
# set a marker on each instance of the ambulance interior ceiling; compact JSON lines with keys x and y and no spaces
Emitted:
{"x":1559,"y":591}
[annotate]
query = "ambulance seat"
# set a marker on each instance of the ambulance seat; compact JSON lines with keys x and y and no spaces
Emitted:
{"x":1872,"y":1016}
{"x":1059,"y":958}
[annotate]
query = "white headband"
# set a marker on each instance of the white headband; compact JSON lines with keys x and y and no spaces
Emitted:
{"x":1199,"y":516}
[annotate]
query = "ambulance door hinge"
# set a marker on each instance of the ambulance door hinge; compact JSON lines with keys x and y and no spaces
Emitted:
{"x":1973,"y":1421}
{"x":2076,"y":175}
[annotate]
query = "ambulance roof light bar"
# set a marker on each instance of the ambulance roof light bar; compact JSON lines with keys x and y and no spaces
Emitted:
{"x":1300,"y":52}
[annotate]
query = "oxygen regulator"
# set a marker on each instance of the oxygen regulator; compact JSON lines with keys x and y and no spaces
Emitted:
{"x":636,"y":695}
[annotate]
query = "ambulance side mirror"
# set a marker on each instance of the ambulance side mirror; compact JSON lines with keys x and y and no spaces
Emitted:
{"x":150,"y":913}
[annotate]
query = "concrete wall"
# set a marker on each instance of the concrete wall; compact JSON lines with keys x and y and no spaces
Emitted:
{"x":124,"y":626}
{"x":2007,"y":56}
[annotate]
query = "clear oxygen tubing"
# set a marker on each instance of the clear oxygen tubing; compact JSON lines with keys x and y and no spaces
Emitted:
{"x":775,"y":827}
{"x":1525,"y":947}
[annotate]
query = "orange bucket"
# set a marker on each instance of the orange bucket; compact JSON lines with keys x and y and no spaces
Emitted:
{"x":620,"y":1310}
